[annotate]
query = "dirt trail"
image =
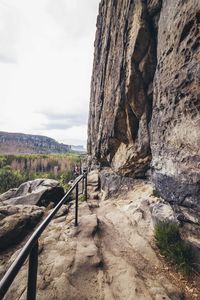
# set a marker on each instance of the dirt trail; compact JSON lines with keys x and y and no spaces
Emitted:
{"x":131,"y":269}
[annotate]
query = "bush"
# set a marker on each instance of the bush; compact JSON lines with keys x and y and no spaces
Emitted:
{"x":171,"y":245}
{"x":9,"y":179}
{"x":64,"y":179}
{"x":3,"y":161}
{"x":82,"y":198}
{"x":156,"y":193}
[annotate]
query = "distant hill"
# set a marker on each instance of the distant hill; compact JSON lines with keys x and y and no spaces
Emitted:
{"x":78,"y":148}
{"x":20,"y":143}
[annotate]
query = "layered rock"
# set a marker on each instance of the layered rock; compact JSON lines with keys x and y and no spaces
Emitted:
{"x":175,"y":129}
{"x":121,"y":90}
{"x":19,"y":211}
{"x":16,"y":221}
{"x":136,"y":117}
{"x":35,"y":192}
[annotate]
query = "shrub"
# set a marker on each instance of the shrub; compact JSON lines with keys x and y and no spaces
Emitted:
{"x":156,"y":193}
{"x":9,"y":179}
{"x":82,"y":198}
{"x":171,"y":245}
{"x":3,"y":161}
{"x":64,"y":179}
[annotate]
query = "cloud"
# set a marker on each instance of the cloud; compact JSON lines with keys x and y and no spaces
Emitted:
{"x":9,"y":33}
{"x":46,"y":53}
{"x":63,"y":121}
{"x":75,"y":17}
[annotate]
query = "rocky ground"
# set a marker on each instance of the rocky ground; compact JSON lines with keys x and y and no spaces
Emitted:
{"x":22,"y":208}
{"x":110,"y":255}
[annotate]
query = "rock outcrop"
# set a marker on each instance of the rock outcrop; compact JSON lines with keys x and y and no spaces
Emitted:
{"x":16,"y":221}
{"x":35,"y":192}
{"x":145,"y":101}
{"x":109,"y":256}
{"x":19,"y":211}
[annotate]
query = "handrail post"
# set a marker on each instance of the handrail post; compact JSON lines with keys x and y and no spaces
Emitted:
{"x":85,"y":186}
{"x":32,"y":273}
{"x":76,"y":206}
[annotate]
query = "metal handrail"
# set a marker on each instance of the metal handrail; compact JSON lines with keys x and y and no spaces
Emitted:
{"x":31,"y":247}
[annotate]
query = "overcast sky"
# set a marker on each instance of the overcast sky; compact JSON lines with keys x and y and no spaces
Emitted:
{"x":46,"y":56}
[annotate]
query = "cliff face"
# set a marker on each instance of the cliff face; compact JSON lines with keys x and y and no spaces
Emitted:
{"x":121,"y":91}
{"x":19,"y":143}
{"x":145,"y":100}
{"x":175,"y":128}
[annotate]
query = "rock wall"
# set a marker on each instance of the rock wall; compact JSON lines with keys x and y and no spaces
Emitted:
{"x":137,"y":119}
{"x":121,"y":90}
{"x":175,"y":128}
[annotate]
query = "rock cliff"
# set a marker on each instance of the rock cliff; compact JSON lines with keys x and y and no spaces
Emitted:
{"x":145,"y":102}
{"x":20,"y":143}
{"x":175,"y":127}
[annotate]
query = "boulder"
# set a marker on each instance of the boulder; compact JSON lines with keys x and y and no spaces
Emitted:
{"x":16,"y":221}
{"x":93,"y":179}
{"x":163,"y":212}
{"x":188,"y":215}
{"x":36,"y":192}
{"x":93,"y":184}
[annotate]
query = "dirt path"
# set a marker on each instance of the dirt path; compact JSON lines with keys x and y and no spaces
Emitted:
{"x":131,"y":269}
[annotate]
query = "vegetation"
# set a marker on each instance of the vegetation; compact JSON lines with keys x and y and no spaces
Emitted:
{"x":82,"y":198}
{"x":156,"y":193}
{"x":9,"y":179}
{"x":16,"y":169}
{"x":171,"y":245}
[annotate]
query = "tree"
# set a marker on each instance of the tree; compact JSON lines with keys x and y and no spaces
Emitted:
{"x":9,"y":179}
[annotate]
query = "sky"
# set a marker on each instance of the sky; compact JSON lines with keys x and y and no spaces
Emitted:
{"x":46,"y":57}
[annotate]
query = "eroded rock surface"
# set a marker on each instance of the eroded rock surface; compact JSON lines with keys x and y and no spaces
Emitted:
{"x":163,"y":212}
{"x":121,"y":90}
{"x":16,"y":221}
{"x":35,"y":192}
{"x":18,"y":210}
{"x":136,"y":117}
{"x":175,"y":129}
{"x":109,"y":256}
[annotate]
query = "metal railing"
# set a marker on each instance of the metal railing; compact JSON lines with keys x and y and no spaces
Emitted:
{"x":31,"y":247}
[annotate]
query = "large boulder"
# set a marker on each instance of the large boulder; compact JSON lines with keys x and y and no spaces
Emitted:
{"x":36,"y":192}
{"x":16,"y":221}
